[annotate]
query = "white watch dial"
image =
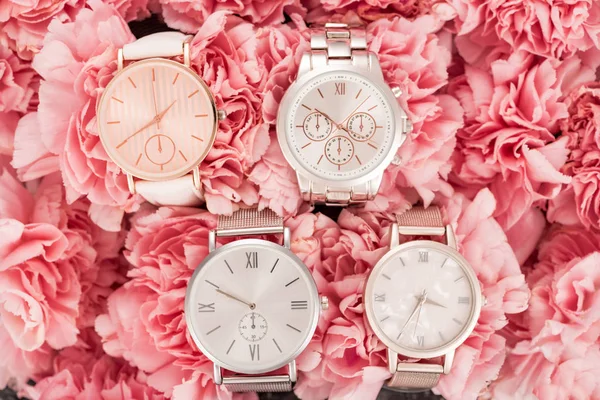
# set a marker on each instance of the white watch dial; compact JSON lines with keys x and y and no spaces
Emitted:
{"x":252,"y":306}
{"x":340,"y":125}
{"x":422,"y":298}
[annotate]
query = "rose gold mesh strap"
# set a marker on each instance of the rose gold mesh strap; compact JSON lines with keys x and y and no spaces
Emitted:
{"x":414,"y":380}
{"x":249,"y":221}
{"x":279,"y":383}
{"x":421,"y":221}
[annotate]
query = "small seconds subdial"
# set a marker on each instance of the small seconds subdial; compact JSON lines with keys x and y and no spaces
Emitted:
{"x":253,"y":327}
{"x":160,"y":149}
{"x":361,"y":126}
{"x":316,"y":126}
{"x":339,"y":150}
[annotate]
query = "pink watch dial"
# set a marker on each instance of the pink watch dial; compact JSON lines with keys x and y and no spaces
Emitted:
{"x":157,"y":119}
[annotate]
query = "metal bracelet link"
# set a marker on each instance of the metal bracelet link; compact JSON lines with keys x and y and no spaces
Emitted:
{"x":337,"y":196}
{"x":338,"y":43}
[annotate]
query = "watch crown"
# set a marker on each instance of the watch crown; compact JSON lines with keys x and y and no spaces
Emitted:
{"x":484,"y":301}
{"x":324,"y":303}
{"x":407,"y":126}
{"x":396,"y":91}
{"x":221,"y":115}
{"x":397,"y":160}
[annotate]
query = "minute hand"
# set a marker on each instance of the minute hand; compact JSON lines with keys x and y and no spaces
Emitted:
{"x":352,"y":113}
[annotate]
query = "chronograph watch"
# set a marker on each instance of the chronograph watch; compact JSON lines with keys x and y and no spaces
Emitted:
{"x":422,"y":300}
{"x":252,"y":306}
{"x":339,"y":124}
{"x":157,"y":119}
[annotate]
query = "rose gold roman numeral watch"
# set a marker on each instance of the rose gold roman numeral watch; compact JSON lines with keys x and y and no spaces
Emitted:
{"x":339,"y":124}
{"x":157,"y":119}
{"x":422,"y":300}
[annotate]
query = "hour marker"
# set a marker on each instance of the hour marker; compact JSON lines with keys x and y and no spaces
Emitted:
{"x":372,"y":107}
{"x":254,"y":351}
{"x":459,"y":278}
{"x":153,"y":76}
{"x":232,"y":343}
{"x":115,"y":99}
{"x":274,"y":265}
{"x":113,"y":122}
{"x":339,"y":167}
{"x":175,"y":80}
{"x":441,"y":336}
{"x":340,"y":88}
{"x":379,"y":297}
{"x":457,"y":321}
{"x":320,"y":158}
{"x":193,"y":93}
{"x":138,"y":159}
{"x":182,"y":155}
{"x":210,"y":283}
{"x":132,"y":82}
{"x":306,"y":145}
{"x":444,"y":263}
{"x":464,"y":300}
{"x":358,"y":94}
{"x":299,"y":304}
{"x":212,"y":330}
{"x":201,"y":115}
{"x":378,"y":126}
{"x":299,"y":126}
{"x":358,"y":159}
{"x":421,"y":340}
{"x":372,"y":145}
{"x":226,"y":263}
{"x":319,"y":90}
{"x":162,"y":166}
{"x":423,"y":256}
{"x":294,"y":328}
{"x":206,"y":307}
{"x":291,"y":282}
{"x":402,"y":261}
{"x":386,"y":277}
{"x":381,"y":320}
{"x":307,"y":107}
{"x":276,"y":345}
{"x":252,"y":259}
{"x":197,"y":138}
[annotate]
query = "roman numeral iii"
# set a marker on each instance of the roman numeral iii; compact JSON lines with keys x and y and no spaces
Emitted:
{"x":252,"y":259}
{"x":340,"y":88}
{"x":299,"y":305}
{"x":254,"y":352}
{"x":464,"y":300}
{"x":206,"y":307}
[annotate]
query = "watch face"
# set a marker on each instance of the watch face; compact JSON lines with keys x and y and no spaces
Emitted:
{"x":157,"y":119}
{"x":252,"y":306}
{"x":340,"y":126}
{"x":422,"y":299}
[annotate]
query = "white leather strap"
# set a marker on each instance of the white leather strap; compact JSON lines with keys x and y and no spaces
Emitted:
{"x":174,"y":192}
{"x":162,"y":44}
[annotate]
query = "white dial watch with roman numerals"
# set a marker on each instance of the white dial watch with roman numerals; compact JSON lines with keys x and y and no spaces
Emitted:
{"x":252,"y":306}
{"x":339,"y":124}
{"x":422,"y":300}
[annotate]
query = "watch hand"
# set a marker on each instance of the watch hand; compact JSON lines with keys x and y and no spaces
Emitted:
{"x":422,"y":299}
{"x":339,"y":146}
{"x":338,"y":126}
{"x":162,"y":114}
{"x":138,"y":131}
{"x":159,"y":145}
{"x":341,"y":124}
{"x":251,"y":305}
{"x":154,"y":100}
{"x":433,"y":302}
{"x":417,"y":321}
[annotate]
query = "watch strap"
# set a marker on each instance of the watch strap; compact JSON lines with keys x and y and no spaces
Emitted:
{"x":249,"y":221}
{"x":273,"y":383}
{"x":174,"y":192}
{"x":161,"y":44}
{"x":418,"y":376}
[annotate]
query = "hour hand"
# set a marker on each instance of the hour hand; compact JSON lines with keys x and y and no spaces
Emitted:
{"x":432,"y":302}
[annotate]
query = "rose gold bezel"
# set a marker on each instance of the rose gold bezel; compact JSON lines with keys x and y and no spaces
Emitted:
{"x":169,"y":64}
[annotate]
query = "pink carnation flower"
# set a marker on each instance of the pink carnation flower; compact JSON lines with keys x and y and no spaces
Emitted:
{"x":555,"y":29}
{"x":188,"y":15}
{"x":554,"y":351}
{"x":23,"y":24}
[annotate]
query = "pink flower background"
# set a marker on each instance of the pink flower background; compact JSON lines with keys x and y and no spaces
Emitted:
{"x":506,"y":139}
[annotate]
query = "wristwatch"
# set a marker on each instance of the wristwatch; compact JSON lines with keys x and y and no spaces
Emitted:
{"x":422,"y":300}
{"x":339,"y":124}
{"x":157,"y":119}
{"x":252,"y":306}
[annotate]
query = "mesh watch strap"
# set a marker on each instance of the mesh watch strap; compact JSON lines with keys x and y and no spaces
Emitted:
{"x":412,"y":380}
{"x":259,"y":384}
{"x":429,"y":217}
{"x":249,"y":221}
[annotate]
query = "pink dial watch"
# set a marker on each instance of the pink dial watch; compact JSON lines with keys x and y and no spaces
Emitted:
{"x":157,"y":120}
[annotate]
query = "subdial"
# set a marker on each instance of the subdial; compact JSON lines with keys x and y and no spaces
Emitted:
{"x":160,"y":149}
{"x":316,"y":126}
{"x":339,"y":150}
{"x":253,"y":327}
{"x":361,"y":126}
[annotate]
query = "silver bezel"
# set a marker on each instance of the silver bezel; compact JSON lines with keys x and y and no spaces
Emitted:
{"x":295,"y":88}
{"x":313,"y":292}
{"x":475,"y":310}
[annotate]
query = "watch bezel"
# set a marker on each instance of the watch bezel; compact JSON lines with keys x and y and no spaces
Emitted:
{"x":100,"y":114}
{"x":375,"y":80}
{"x":313,"y":292}
{"x":473,"y":316}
